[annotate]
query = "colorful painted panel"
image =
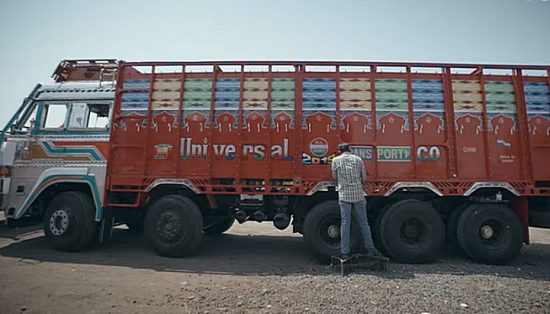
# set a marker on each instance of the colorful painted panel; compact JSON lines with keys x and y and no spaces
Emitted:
{"x":355,"y":104}
{"x":255,"y":102}
{"x":500,"y":102}
{"x":282,"y":102}
{"x":319,"y":95}
{"x":166,"y":94}
{"x":197,"y":98}
{"x":428,"y":104}
{"x":355,"y":94}
{"x":500,"y":97}
{"x":537,"y":97}
{"x":136,"y":84}
{"x":255,"y":94}
{"x":227,"y":94}
{"x":135,"y":96}
{"x":391,"y":95}
{"x":282,"y":94}
{"x":198,"y":94}
{"x":392,"y":102}
{"x":427,"y":95}
{"x":227,"y":100}
{"x":467,"y":96}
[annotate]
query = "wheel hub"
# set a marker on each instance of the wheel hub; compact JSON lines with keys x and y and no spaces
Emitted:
{"x":333,"y":231}
{"x":413,"y":231}
{"x":59,"y":222}
{"x":487,"y":232}
{"x":168,"y":226}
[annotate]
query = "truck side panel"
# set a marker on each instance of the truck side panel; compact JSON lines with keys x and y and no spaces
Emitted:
{"x":271,"y":132}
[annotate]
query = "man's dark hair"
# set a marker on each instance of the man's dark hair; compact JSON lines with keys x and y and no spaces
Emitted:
{"x":344,"y":147}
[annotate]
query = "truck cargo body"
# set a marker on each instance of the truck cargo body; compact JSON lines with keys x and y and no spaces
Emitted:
{"x":235,"y":129}
{"x":454,"y":152}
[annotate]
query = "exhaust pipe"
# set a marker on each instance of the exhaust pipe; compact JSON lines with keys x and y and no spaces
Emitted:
{"x":241,"y":216}
{"x":281,"y":221}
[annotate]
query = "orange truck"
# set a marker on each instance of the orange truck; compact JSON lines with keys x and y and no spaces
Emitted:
{"x":456,"y":154}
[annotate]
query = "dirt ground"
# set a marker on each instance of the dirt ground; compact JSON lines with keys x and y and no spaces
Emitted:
{"x":254,"y":268}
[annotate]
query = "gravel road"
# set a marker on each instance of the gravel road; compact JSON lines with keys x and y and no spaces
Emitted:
{"x":255,"y":268}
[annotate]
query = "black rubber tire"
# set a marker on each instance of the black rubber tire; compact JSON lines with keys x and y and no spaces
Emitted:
{"x":508,"y":234}
{"x":69,"y":221}
{"x":453,"y":246}
{"x":220,"y":227}
{"x":173,"y":226}
{"x":430,"y":232}
{"x":318,"y":219}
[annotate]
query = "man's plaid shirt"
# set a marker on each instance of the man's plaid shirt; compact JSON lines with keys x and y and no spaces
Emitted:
{"x":348,"y":170}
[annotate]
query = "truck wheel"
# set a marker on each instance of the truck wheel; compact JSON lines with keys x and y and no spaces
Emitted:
{"x":220,"y":226}
{"x":69,"y":221}
{"x":452,"y":241}
{"x":322,"y":230}
{"x":412,"y":232}
{"x":173,"y":226}
{"x":490,"y":233}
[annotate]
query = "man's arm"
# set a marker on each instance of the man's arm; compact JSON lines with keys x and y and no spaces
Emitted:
{"x":363,"y":171}
{"x":334,"y":170}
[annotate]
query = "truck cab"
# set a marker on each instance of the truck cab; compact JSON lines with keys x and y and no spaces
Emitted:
{"x":57,"y":141}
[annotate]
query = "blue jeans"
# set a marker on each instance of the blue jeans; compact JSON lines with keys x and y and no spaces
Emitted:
{"x":360,"y":210}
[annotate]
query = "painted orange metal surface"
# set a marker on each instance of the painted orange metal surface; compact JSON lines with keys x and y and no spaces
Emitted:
{"x":275,"y":132}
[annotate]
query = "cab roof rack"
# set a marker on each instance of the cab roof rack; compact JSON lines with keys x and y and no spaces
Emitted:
{"x":86,"y":70}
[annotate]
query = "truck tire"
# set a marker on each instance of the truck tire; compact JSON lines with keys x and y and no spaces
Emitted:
{"x":490,"y":233}
{"x":412,"y":232}
{"x":322,"y":230}
{"x":173,"y":226}
{"x":220,"y":226}
{"x":69,"y":222}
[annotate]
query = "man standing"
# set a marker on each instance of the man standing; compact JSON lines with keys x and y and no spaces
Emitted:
{"x":349,"y":172}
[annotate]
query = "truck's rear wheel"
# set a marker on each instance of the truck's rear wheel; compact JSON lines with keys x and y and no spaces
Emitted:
{"x":490,"y":233}
{"x":412,"y":231}
{"x":173,"y":226}
{"x":322,"y":230}
{"x":69,"y":221}
{"x":220,"y":226}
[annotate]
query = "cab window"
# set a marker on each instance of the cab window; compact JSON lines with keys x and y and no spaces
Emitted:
{"x":89,"y":116}
{"x":55,"y":116}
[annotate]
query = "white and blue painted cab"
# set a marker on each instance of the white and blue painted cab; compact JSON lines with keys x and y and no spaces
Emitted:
{"x":56,"y":142}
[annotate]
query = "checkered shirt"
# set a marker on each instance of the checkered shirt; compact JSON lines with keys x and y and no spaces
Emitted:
{"x":348,"y":170}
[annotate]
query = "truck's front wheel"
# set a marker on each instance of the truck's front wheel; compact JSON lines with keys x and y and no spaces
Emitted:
{"x":173,"y":226}
{"x":69,"y":221}
{"x":322,"y":230}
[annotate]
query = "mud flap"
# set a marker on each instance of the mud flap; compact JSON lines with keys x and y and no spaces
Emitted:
{"x":520,"y":206}
{"x":106,"y":228}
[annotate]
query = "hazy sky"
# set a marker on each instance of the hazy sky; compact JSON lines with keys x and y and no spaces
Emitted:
{"x":36,"y":34}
